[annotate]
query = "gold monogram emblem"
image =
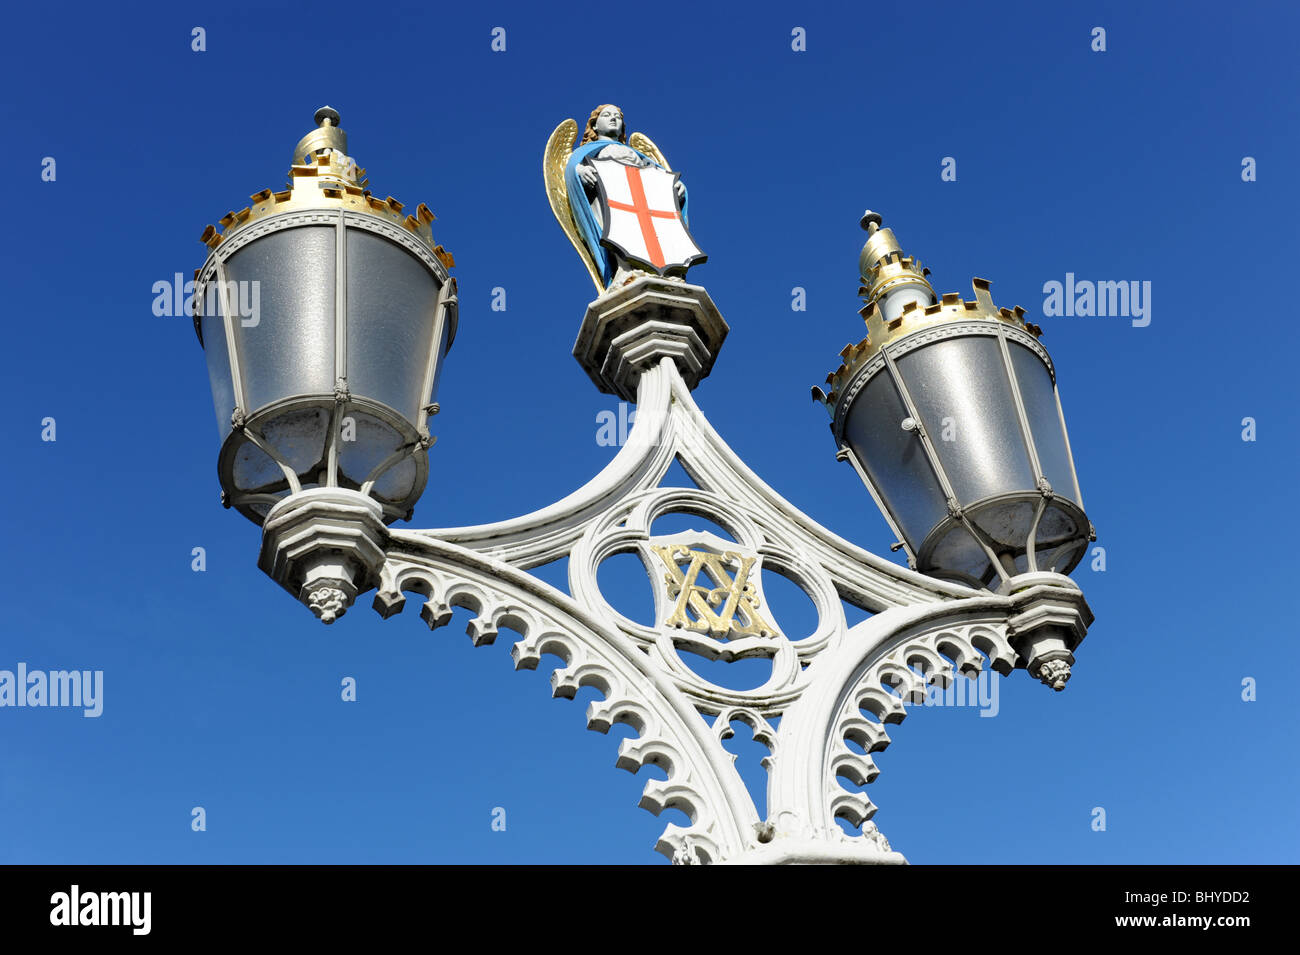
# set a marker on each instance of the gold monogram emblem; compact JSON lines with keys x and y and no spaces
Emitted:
{"x":709,"y":598}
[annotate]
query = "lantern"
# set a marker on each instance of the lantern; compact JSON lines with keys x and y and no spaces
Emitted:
{"x":949,"y":412}
{"x":325,"y":314}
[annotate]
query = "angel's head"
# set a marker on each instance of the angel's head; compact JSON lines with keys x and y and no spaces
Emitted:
{"x":605,"y":122}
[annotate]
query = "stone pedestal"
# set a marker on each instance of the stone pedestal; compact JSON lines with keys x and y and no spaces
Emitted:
{"x":630,"y":328}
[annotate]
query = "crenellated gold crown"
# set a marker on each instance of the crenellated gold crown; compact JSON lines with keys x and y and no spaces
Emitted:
{"x":323,"y":176}
{"x":950,"y":308}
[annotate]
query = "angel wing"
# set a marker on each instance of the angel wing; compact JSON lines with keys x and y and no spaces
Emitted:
{"x":558,"y":149}
{"x":642,"y":143}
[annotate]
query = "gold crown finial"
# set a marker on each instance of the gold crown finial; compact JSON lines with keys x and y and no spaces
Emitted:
{"x":899,"y":301}
{"x":326,"y":135}
{"x":882,"y":263}
{"x":323,"y":176}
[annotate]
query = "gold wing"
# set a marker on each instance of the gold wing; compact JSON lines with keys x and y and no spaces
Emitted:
{"x":558,"y":150}
{"x":642,"y":143}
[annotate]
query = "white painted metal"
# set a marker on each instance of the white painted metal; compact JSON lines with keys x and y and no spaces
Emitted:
{"x":836,"y":686}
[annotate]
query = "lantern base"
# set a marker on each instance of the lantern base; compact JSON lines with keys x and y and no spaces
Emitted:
{"x":325,"y":546}
{"x":1006,"y":523}
{"x":1050,"y":620}
{"x":367,"y":435}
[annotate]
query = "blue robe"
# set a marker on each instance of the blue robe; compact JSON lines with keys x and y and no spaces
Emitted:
{"x":589,"y":227}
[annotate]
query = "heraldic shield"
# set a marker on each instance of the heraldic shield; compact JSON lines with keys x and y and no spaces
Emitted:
{"x":642,"y":221}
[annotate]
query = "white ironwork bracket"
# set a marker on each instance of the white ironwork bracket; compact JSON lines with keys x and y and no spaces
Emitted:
{"x":831,"y":694}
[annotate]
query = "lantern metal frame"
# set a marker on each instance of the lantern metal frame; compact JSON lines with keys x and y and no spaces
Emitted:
{"x":885,"y":361}
{"x":246,"y":422}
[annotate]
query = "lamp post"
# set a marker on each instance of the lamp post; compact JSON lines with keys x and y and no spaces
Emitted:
{"x":323,"y":396}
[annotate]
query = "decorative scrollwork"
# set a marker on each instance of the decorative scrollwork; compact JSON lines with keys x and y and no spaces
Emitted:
{"x":884,"y":666}
{"x":822,"y":686}
{"x":700,"y":781}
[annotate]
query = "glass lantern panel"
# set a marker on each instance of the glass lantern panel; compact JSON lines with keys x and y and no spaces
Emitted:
{"x":254,"y":469}
{"x":1044,"y":421}
{"x":1063,"y":559}
{"x":392,"y":298}
{"x":895,"y":459}
{"x":373,"y":442}
{"x":1060,"y":540}
{"x":959,"y":555}
{"x":1056,"y":527}
{"x":299,"y":437}
{"x":437,"y":371}
{"x":218,"y":358}
{"x":961,"y":390}
{"x":398,"y":482}
{"x":1006,"y":523}
{"x":283,"y":294}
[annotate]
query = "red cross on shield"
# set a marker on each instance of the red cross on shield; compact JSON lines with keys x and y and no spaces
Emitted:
{"x":642,"y":222}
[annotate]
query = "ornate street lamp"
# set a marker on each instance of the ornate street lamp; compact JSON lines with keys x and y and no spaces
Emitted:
{"x":325,"y":314}
{"x":949,"y":412}
{"x":330,"y":320}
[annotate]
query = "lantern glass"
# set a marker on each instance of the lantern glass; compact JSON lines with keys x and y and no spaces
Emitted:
{"x":1045,"y":424}
{"x":254,"y":470}
{"x":960,"y":388}
{"x":288,"y":347}
{"x":444,"y":343}
{"x":397,"y":482}
{"x":213,"y":329}
{"x":1061,"y":539}
{"x":392,"y":301}
{"x":959,"y":552}
{"x":298,"y":436}
{"x":373,"y":441}
{"x":894,"y":459}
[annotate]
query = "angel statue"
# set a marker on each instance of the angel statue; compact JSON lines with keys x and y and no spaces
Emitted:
{"x":618,"y":201}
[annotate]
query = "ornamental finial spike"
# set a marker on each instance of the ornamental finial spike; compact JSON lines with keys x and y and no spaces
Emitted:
{"x":326,"y":135}
{"x":886,"y":271}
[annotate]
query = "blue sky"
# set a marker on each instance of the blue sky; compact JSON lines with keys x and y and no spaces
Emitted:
{"x":222,"y":692}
